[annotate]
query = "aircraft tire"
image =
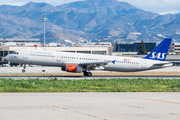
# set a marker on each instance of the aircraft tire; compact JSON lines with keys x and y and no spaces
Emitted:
{"x":87,"y":74}
{"x":23,"y":71}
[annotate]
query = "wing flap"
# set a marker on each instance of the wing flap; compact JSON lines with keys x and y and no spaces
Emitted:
{"x":93,"y":65}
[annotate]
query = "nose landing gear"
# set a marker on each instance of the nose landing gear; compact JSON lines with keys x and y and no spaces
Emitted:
{"x":24,"y":68}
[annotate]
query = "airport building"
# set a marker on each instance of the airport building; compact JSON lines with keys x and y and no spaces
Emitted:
{"x":177,"y":47}
{"x":133,"y":46}
{"x":93,"y":44}
{"x":19,"y":42}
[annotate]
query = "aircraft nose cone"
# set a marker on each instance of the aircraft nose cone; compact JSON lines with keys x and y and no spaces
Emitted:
{"x":7,"y":57}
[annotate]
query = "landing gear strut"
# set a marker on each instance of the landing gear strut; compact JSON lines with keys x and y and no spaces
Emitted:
{"x":87,"y":73}
{"x":24,"y":68}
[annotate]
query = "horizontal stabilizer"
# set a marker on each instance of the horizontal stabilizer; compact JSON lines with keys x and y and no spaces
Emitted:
{"x":163,"y":64}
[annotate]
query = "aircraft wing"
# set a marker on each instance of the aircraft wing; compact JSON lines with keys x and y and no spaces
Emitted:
{"x":93,"y":65}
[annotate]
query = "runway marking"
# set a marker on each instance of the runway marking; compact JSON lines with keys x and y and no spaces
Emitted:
{"x":134,"y":106}
{"x":78,"y":112}
{"x":159,"y":100}
{"x":174,"y":114}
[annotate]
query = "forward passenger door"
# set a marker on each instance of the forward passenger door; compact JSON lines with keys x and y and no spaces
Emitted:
{"x":25,"y":54}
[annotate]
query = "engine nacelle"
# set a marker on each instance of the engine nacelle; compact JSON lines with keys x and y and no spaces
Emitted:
{"x":72,"y":68}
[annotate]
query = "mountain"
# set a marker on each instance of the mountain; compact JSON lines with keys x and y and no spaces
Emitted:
{"x":90,"y":19}
{"x":57,"y":37}
{"x":12,"y":26}
{"x":108,"y":7}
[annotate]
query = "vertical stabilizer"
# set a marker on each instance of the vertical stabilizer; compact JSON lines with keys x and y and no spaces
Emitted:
{"x":160,"y":52}
{"x":37,"y":47}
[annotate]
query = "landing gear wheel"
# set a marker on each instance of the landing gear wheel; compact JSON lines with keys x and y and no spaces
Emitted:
{"x":87,"y":74}
{"x":23,"y":70}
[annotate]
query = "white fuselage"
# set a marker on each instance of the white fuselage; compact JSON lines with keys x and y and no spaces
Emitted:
{"x":60,"y":59}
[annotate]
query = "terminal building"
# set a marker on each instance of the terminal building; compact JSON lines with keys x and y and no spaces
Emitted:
{"x":19,"y":42}
{"x":93,"y":44}
{"x":177,"y":47}
{"x":133,"y":46}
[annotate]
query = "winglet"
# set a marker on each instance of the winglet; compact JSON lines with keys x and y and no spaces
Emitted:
{"x":37,"y":47}
{"x":160,"y":52}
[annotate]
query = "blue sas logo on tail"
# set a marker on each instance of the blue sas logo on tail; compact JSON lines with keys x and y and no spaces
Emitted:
{"x":158,"y":55}
{"x":160,"y":52}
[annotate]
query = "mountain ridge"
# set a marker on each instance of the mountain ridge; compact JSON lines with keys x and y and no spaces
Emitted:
{"x":90,"y":19}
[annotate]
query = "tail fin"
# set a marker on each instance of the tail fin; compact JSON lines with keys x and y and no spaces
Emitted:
{"x":160,"y":52}
{"x":37,"y":47}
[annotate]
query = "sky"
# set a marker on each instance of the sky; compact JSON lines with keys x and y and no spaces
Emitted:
{"x":157,"y":6}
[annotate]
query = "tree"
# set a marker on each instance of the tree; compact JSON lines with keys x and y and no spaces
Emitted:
{"x":142,"y":49}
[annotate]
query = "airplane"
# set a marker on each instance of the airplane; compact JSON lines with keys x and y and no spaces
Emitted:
{"x":78,"y":62}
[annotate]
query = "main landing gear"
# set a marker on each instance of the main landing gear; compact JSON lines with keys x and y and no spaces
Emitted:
{"x":87,"y":73}
{"x":24,"y":68}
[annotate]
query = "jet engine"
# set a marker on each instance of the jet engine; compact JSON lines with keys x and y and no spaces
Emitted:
{"x":72,"y":68}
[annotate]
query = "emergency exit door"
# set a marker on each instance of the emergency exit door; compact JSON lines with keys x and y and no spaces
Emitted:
{"x":59,"y":56}
{"x":143,"y":63}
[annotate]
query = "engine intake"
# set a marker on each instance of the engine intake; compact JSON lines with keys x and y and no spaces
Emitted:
{"x":72,"y":68}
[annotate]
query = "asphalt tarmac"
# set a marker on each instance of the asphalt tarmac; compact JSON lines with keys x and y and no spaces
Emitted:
{"x":90,"y":106}
{"x":85,"y":77}
{"x":38,"y":69}
{"x":87,"y":106}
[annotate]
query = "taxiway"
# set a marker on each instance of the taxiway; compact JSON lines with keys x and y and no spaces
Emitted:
{"x":50,"y":72}
{"x":90,"y":106}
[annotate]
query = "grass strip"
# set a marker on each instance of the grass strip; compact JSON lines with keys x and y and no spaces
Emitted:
{"x":87,"y":85}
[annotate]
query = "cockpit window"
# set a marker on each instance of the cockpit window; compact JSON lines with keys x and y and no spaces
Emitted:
{"x":14,"y":52}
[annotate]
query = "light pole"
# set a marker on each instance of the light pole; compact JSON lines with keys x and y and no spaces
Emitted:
{"x":44,"y":19}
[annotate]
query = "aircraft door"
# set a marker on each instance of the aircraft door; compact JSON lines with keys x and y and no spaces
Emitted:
{"x":25,"y":54}
{"x":143,"y":63}
{"x":59,"y":56}
{"x":99,"y":59}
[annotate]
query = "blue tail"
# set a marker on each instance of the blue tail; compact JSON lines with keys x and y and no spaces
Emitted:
{"x":160,"y":52}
